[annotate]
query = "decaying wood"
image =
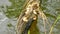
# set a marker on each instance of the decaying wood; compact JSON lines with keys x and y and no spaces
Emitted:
{"x":32,"y":10}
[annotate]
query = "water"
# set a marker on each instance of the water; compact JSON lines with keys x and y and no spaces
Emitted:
{"x":4,"y":20}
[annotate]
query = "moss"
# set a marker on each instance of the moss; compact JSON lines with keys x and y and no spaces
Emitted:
{"x":9,"y":25}
{"x":15,"y":9}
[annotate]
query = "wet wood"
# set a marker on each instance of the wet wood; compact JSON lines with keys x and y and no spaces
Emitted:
{"x":32,"y":10}
{"x":33,"y":29}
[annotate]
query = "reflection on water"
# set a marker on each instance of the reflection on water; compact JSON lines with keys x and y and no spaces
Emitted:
{"x":5,"y":2}
{"x":51,"y":7}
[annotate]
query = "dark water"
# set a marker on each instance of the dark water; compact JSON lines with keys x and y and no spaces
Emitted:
{"x":10,"y":10}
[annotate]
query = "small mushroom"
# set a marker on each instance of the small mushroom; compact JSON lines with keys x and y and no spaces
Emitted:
{"x":25,"y":19}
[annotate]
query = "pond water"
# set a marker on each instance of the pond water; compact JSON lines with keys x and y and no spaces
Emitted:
{"x":10,"y":10}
